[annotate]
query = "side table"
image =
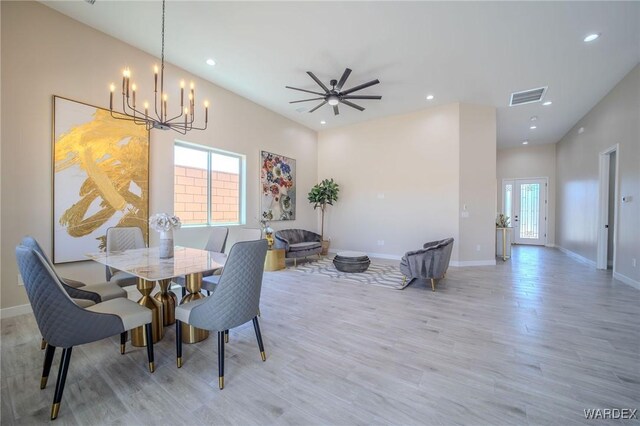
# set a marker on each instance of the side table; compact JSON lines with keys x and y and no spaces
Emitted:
{"x":274,"y":260}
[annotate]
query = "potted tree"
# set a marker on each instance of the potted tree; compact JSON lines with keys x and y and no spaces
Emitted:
{"x":321,"y":195}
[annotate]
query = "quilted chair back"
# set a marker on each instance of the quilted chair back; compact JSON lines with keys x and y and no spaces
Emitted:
{"x":123,"y":238}
{"x":62,"y":323}
{"x":441,"y":257}
{"x":217,"y":239}
{"x":236,"y":298}
{"x":31,"y":243}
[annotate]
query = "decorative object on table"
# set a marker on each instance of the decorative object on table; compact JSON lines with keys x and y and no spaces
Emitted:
{"x":100,"y":178}
{"x":298,"y":243}
{"x":160,"y":118}
{"x":379,"y":275}
{"x":321,"y":195}
{"x":335,"y":95}
{"x":267,"y":231}
{"x":278,"y":181}
{"x":502,"y":221}
{"x":165,"y":224}
{"x":428,"y":263}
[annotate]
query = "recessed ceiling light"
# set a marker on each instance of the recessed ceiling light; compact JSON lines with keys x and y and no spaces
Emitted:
{"x":323,"y":122}
{"x":591,"y":37}
{"x":429,"y":97}
{"x":211,"y":62}
{"x":547,"y":103}
{"x":534,"y":118}
{"x":525,"y":143}
{"x":581,"y":130}
{"x":533,"y":127}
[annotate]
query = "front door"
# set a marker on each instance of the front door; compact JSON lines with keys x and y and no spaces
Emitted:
{"x":525,"y":202}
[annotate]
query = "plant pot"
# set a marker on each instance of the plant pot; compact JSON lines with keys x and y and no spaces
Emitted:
{"x":325,"y":247}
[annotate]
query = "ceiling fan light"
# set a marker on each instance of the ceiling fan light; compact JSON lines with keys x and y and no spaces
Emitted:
{"x":333,"y":100}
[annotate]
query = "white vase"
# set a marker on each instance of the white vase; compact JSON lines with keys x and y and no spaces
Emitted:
{"x":166,"y":244}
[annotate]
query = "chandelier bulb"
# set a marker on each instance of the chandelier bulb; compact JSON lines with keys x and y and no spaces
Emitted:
{"x":182,"y":84}
{"x":155,"y":69}
{"x":112,"y":87}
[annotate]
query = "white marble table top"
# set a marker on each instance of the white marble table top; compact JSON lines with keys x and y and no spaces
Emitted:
{"x":146,"y":263}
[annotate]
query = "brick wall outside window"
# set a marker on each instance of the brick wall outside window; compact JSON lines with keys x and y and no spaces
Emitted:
{"x":190,"y":196}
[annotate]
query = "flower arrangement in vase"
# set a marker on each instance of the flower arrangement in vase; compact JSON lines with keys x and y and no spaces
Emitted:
{"x":268,"y":232}
{"x":502,"y":221}
{"x":165,"y":224}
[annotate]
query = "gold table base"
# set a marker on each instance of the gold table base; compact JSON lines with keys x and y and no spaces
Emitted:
{"x":169,"y":301}
{"x":191,"y":334}
{"x":138,"y":337}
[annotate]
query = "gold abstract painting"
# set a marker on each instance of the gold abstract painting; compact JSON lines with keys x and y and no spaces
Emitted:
{"x":100,"y":178}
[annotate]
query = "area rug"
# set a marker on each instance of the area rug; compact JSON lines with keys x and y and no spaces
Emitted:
{"x":388,"y":276}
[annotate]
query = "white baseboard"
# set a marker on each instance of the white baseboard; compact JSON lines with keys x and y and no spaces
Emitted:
{"x":576,"y":256}
{"x":15,"y":311}
{"x":625,"y":279}
{"x":551,"y":245}
{"x":463,"y":263}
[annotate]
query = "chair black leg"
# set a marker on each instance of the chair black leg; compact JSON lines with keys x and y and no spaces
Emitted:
{"x":226,"y":336}
{"x":46,"y":368}
{"x":208,"y":293}
{"x":184,"y":292}
{"x":256,"y":327}
{"x":123,"y":342}
{"x":221,"y":359}
{"x":179,"y":343}
{"x":62,"y":377}
{"x":149,"y":335}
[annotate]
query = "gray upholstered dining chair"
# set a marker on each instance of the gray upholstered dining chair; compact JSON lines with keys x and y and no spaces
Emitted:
{"x":120,"y":238}
{"x":64,"y":324}
{"x":430,"y":262}
{"x":84,"y":295}
{"x":235,"y":300}
{"x":216,"y":243}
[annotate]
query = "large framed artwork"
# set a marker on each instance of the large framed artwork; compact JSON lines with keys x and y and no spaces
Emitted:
{"x":278,"y":183}
{"x":100,"y":178}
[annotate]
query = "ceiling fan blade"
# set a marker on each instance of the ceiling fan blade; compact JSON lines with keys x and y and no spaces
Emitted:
{"x":360,"y":87}
{"x":343,"y":79}
{"x":318,"y":106}
{"x":335,"y":110}
{"x":317,"y":80}
{"x":304,"y":90}
{"x":362,"y":97}
{"x":306,"y":100}
{"x":352,"y":105}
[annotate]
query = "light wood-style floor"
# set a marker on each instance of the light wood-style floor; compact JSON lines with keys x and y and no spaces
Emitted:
{"x":535,"y":340}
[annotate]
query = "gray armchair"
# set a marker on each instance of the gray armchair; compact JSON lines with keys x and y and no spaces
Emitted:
{"x":430,"y":262}
{"x":235,"y":300}
{"x":65,"y":324}
{"x":298,"y":243}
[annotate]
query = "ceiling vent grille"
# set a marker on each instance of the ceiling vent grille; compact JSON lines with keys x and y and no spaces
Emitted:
{"x":527,"y":96}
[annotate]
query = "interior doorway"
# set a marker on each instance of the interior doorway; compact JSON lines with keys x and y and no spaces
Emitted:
{"x":525,"y":202}
{"x":608,"y":208}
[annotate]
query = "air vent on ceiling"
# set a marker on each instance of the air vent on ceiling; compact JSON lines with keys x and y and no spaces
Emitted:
{"x":90,"y":1}
{"x":527,"y":96}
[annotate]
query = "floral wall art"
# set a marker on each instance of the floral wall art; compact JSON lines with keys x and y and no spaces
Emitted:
{"x":100,"y":178}
{"x":278,"y":182}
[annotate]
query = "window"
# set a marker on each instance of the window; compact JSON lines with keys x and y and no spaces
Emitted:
{"x":208,"y":186}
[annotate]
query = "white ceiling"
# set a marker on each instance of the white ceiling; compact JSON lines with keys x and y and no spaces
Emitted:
{"x":476,"y":52}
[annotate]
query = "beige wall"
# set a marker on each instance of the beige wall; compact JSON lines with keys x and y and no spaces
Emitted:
{"x":477,"y":183}
{"x":530,"y":162}
{"x":614,"y":120}
{"x":401,"y":181}
{"x":46,"y":53}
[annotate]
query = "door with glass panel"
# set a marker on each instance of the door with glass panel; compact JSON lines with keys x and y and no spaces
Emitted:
{"x":525,"y":202}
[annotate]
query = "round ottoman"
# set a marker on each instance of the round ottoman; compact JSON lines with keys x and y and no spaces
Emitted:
{"x":351,"y":261}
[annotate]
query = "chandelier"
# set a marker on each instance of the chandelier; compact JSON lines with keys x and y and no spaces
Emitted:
{"x":159,"y":117}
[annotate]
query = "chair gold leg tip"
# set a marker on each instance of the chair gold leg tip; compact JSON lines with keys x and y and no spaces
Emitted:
{"x":263,"y":356}
{"x":43,"y":382}
{"x":122,"y":349}
{"x":226,"y":338}
{"x":179,"y":362}
{"x":152,"y":367}
{"x":221,"y":382}
{"x":55,"y":408}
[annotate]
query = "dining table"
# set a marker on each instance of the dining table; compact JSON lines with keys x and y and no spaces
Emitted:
{"x":147,"y":265}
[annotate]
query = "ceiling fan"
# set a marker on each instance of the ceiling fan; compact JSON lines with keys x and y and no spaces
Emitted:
{"x":335,"y":95}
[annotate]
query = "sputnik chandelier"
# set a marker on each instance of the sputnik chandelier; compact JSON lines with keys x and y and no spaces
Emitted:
{"x":160,"y":118}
